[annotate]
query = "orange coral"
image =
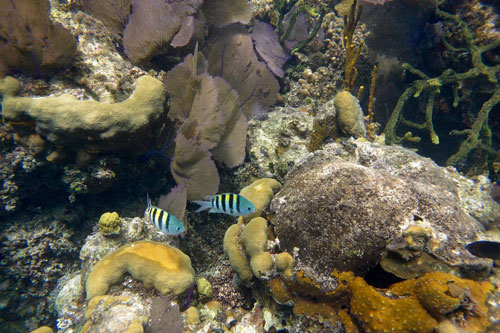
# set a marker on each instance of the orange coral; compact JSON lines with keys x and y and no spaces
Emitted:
{"x":441,"y":293}
{"x":410,"y":305}
{"x":280,"y":292}
{"x":377,"y":312}
{"x":303,"y":306}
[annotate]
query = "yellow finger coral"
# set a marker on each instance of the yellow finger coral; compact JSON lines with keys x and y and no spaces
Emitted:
{"x":163,"y":267}
{"x":260,"y":193}
{"x":234,"y":250}
{"x":284,"y":263}
{"x":109,"y":224}
{"x":254,"y":236}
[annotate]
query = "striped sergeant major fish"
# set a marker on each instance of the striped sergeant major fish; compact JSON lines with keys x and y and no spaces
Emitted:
{"x":227,"y":203}
{"x":163,"y":221}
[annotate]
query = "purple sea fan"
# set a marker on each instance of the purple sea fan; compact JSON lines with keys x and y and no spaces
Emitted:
{"x":113,"y":13}
{"x":156,"y":25}
{"x":230,"y":54}
{"x":269,"y":48}
{"x":30,"y":42}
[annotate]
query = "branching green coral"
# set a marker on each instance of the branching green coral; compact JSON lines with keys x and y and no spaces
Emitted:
{"x":284,"y":7}
{"x":479,"y":135}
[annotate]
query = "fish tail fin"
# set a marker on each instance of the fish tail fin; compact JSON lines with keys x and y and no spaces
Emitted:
{"x":148,"y":200}
{"x":203,"y":205}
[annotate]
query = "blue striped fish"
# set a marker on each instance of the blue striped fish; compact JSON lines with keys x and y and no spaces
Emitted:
{"x":227,"y":203}
{"x":163,"y":221}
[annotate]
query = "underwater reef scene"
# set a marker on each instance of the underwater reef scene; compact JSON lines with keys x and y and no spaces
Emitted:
{"x":249,"y":166}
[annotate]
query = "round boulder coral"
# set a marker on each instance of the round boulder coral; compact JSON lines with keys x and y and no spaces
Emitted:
{"x":343,"y":205}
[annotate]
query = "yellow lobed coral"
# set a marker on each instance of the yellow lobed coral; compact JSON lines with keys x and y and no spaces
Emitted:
{"x":234,"y":250}
{"x":260,"y":193}
{"x":284,"y":263}
{"x":349,"y":114}
{"x":254,"y":236}
{"x":67,"y":121}
{"x":109,"y":223}
{"x":163,"y":267}
{"x":192,"y":316}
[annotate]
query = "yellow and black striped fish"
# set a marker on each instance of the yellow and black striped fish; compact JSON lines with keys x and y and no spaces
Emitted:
{"x":227,"y":203}
{"x":167,"y":223}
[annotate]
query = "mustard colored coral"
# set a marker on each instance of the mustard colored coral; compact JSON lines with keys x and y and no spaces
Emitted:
{"x":245,"y":244}
{"x":254,"y":236}
{"x":163,"y":267}
{"x":43,"y":329}
{"x":260,"y":193}
{"x":67,"y":121}
{"x":284,"y":263}
{"x":234,"y":250}
{"x":109,"y":224}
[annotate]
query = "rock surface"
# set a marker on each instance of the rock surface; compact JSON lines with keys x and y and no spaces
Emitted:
{"x":343,"y":205}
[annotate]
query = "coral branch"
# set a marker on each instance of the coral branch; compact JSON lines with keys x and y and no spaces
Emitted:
{"x":479,"y":135}
{"x":351,"y":51}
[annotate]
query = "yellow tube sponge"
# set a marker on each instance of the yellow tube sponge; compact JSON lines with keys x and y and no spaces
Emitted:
{"x":163,"y":267}
{"x":260,"y":193}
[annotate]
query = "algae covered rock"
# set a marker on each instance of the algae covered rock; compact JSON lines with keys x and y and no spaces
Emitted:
{"x":124,"y":313}
{"x":342,"y":207}
{"x":163,"y":267}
